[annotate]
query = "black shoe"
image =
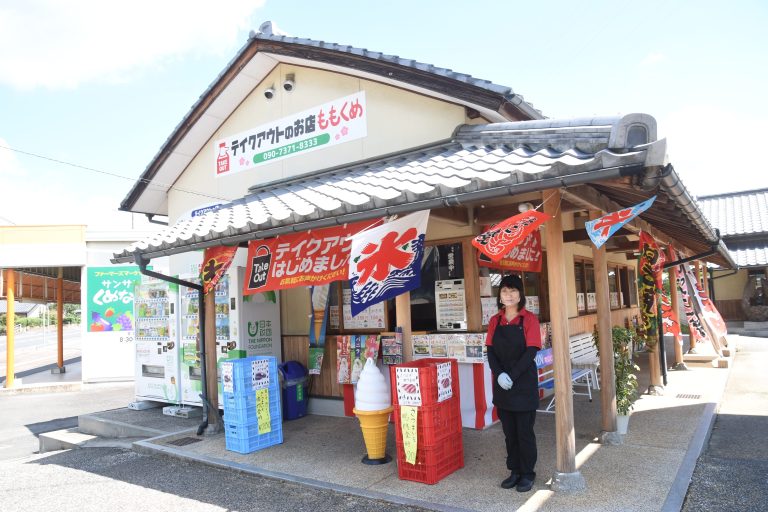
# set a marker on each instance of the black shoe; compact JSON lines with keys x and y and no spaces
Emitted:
{"x":510,"y":481}
{"x":524,"y":485}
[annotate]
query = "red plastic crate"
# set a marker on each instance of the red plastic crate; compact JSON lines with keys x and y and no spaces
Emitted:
{"x":432,"y":463}
{"x":433,"y":422}
{"x":427,"y":378}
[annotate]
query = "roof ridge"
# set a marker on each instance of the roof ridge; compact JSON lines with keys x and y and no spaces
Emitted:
{"x":735,"y":193}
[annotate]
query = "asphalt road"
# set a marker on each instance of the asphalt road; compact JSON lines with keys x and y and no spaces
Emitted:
{"x":114,"y":479}
{"x":37,"y":348}
{"x":732,"y":473}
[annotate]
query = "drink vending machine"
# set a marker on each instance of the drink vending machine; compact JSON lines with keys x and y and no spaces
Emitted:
{"x":157,"y":347}
{"x":245,"y":326}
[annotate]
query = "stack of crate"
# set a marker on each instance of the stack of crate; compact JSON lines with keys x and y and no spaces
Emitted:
{"x":242,"y":380}
{"x":440,"y":448}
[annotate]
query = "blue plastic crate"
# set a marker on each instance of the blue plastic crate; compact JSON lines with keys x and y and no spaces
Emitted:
{"x":242,"y":380}
{"x":237,"y":411}
{"x":246,"y":438}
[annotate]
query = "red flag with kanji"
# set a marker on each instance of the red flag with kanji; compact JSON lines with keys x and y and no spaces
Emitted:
{"x":216,"y":261}
{"x":501,"y":238}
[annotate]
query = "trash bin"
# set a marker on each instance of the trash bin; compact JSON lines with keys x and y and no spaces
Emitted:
{"x":295,"y":397}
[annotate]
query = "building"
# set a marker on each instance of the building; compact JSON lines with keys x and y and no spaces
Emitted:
{"x":391,"y":136}
{"x":742,"y":218}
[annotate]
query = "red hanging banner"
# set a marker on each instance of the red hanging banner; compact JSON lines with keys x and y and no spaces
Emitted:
{"x":216,"y":261}
{"x":525,"y":257}
{"x":502,"y":237}
{"x":302,"y":259}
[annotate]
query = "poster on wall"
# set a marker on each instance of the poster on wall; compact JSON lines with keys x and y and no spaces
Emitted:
{"x":450,"y":305}
{"x":375,"y":317}
{"x":110,"y":298}
{"x":332,"y":123}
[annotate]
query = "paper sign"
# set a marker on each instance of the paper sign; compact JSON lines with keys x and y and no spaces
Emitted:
{"x":408,"y":389}
{"x":316,"y":359}
{"x":444,"y":382}
{"x":408,"y":424}
{"x":260,"y":373}
{"x":227,"y":384}
{"x":262,"y":411}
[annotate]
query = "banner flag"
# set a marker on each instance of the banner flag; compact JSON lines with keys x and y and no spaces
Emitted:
{"x":600,"y":230}
{"x":524,"y":257}
{"x":216,"y":261}
{"x":309,"y":258}
{"x":386,"y":261}
{"x":649,"y":277}
{"x":502,"y":237}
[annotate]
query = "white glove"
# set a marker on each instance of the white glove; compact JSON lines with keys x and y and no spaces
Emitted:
{"x":504,"y":381}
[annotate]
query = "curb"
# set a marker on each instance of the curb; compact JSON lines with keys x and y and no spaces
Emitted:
{"x":42,"y":388}
{"x":148,"y":447}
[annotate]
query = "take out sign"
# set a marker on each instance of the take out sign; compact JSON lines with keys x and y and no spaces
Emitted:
{"x":335,"y":122}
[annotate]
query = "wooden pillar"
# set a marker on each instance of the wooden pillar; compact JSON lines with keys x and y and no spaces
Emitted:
{"x":675,"y":305}
{"x":472,"y":287}
{"x":10,"y":322}
{"x":403,"y":320}
{"x":564,"y":429}
{"x":211,"y":357}
{"x":605,"y":335}
{"x":60,"y":320}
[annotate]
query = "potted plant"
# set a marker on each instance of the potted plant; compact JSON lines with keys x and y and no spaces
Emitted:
{"x":624,"y":372}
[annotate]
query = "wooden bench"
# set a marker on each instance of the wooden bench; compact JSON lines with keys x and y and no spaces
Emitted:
{"x":579,"y":377}
{"x":584,"y":355}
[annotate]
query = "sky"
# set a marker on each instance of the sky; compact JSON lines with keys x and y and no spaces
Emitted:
{"x":90,"y":90}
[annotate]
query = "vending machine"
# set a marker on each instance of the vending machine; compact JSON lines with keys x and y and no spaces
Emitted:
{"x":244,"y":325}
{"x":157,"y":347}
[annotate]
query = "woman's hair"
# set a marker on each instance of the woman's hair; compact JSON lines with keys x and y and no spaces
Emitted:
{"x":515,"y":282}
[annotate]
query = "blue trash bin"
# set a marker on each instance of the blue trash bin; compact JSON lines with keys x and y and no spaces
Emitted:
{"x":295,"y":395}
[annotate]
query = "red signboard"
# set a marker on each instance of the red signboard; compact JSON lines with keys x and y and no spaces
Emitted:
{"x":524,"y":257}
{"x":302,"y":259}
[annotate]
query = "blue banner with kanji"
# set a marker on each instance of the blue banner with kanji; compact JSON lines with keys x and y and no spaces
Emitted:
{"x":600,"y":230}
{"x":386,"y":261}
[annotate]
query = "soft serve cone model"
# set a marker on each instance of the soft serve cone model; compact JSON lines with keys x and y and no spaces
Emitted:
{"x":319,"y":303}
{"x":373,"y":406}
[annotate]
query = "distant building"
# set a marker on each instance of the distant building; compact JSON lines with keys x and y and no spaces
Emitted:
{"x":742,"y":218}
{"x":23,"y":309}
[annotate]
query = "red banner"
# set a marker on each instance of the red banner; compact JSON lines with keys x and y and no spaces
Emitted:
{"x":525,"y":257}
{"x":216,"y":261}
{"x":302,"y":259}
{"x":502,"y":237}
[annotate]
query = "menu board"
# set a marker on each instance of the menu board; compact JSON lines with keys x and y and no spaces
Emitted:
{"x":374,"y":317}
{"x":490,"y":307}
{"x":450,"y":305}
{"x":464,"y":347}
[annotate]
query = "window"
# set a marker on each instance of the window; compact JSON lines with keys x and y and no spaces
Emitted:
{"x":586,"y":299}
{"x":440,"y":263}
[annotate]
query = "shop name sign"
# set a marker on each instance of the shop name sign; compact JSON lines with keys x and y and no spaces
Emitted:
{"x":329,"y":124}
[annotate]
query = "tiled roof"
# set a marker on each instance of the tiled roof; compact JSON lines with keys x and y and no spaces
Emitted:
{"x":738,"y":213}
{"x":749,"y":254}
{"x":481,"y":162}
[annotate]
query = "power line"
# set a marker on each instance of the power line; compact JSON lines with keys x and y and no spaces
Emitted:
{"x":114,"y":175}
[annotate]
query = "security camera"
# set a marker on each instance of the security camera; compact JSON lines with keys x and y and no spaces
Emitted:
{"x":269,"y":93}
{"x":289,"y":84}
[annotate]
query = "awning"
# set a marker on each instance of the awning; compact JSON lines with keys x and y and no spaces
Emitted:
{"x":479,"y":163}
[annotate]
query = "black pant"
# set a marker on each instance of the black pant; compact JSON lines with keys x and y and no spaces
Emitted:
{"x":520,"y":440}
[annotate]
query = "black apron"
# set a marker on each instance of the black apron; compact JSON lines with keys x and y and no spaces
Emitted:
{"x":509,"y":345}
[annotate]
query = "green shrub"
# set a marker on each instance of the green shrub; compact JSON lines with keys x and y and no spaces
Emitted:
{"x":623,"y":367}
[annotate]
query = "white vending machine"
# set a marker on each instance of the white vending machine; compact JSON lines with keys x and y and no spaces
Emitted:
{"x":157,"y":347}
{"x":245,"y":326}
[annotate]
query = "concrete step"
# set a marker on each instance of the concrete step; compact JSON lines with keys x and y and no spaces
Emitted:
{"x":73,"y":438}
{"x":110,"y":428}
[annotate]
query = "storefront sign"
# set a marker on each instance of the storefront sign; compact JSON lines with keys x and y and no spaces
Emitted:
{"x":525,"y":257}
{"x":302,"y":259}
{"x":329,"y":124}
{"x":110,"y":298}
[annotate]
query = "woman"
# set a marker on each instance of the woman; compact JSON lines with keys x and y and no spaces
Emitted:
{"x":513,"y":340}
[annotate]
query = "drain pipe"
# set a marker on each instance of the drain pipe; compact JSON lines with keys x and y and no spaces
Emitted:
{"x":201,"y":311}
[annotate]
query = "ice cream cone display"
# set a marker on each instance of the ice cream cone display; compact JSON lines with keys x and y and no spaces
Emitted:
{"x":319,"y":296}
{"x":372,"y":408}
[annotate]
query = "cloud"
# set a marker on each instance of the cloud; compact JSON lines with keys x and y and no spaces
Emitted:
{"x":55,"y":44}
{"x":715,"y":150}
{"x":652,"y":59}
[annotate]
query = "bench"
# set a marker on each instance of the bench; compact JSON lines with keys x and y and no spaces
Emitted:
{"x":579,"y":377}
{"x":584,"y":355}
